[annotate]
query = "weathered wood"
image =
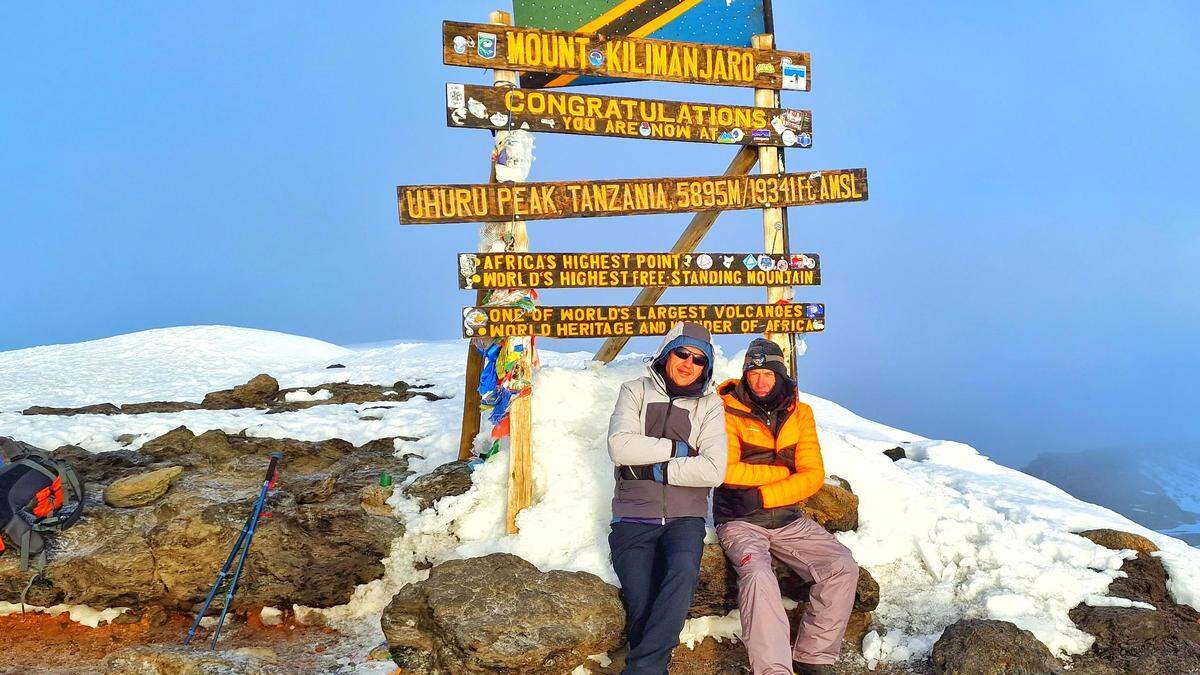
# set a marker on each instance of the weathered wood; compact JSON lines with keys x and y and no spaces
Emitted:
{"x":625,"y":197}
{"x":520,"y":461}
{"x":687,"y":242}
{"x":562,"y":112}
{"x":471,"y":398}
{"x":624,"y":270}
{"x":774,"y":236}
{"x":551,"y":51}
{"x":610,"y":320}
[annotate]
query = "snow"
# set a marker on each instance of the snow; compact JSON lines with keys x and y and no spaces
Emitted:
{"x":304,"y":395}
{"x":948,"y":533}
{"x":81,"y":614}
{"x":161,"y":364}
{"x":1110,"y":601}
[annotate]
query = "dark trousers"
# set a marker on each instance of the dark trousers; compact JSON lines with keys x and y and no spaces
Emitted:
{"x":658,"y":566}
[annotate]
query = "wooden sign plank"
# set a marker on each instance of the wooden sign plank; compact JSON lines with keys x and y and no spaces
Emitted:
{"x":479,"y":107}
{"x":621,"y":320}
{"x":551,"y":51}
{"x":625,"y":197}
{"x":625,"y":270}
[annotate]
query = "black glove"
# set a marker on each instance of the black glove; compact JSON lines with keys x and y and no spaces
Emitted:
{"x":655,"y":472}
{"x":745,"y":502}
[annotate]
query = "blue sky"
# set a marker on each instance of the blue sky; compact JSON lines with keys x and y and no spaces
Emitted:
{"x":1022,"y":278}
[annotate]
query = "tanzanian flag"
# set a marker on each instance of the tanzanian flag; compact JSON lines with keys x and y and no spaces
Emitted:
{"x":721,"y":22}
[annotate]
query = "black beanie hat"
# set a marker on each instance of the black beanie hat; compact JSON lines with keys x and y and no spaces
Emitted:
{"x":763,"y":353}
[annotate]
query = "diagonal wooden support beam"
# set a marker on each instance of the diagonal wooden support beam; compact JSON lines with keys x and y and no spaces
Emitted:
{"x":699,"y":226}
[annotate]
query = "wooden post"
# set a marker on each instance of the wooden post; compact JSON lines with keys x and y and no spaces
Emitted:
{"x":471,"y":413}
{"x":520,"y":413}
{"x":774,"y":233}
{"x":699,"y":226}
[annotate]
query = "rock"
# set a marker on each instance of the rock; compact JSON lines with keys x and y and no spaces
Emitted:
{"x":98,"y":409}
{"x":500,"y":614}
{"x":990,"y":647}
{"x":380,"y":653}
{"x":172,"y":660}
{"x":140,"y":489}
{"x":834,"y":508}
{"x":314,"y":491}
{"x":262,"y":391}
{"x":716,"y":591}
{"x":453,"y":478}
{"x":1118,"y":540}
{"x":895,"y":454}
{"x":167,"y":554}
{"x":1132,"y":640}
{"x":1140,"y":640}
{"x":126,"y":439}
{"x":334,"y":365}
{"x":258,"y":392}
{"x":373,"y":499}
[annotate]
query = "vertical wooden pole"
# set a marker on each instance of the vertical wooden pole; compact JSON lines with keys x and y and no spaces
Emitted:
{"x":774,"y":232}
{"x":520,"y":412}
{"x":471,"y":399}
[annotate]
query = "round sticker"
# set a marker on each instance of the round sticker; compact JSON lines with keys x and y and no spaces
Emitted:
{"x":644,"y":128}
{"x":460,"y":44}
{"x":596,"y":58}
{"x":788,"y":136}
{"x":704,"y":261}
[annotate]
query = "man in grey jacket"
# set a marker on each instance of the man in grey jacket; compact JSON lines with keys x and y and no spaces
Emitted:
{"x":667,"y":440}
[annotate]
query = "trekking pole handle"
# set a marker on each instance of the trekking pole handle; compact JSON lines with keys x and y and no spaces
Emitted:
{"x":276,"y":457}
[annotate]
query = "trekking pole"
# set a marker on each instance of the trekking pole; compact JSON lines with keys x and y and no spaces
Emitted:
{"x":253,"y":525}
{"x":243,"y":539}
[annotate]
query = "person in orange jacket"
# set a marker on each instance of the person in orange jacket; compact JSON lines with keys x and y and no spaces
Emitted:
{"x":774,"y":464}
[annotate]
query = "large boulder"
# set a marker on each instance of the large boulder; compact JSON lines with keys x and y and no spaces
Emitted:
{"x":990,"y":647}
{"x":1165,"y":639}
{"x":1118,"y":540}
{"x":500,"y":614}
{"x":142,"y":488}
{"x":834,"y":507}
{"x":259,"y":391}
{"x":311,"y":552}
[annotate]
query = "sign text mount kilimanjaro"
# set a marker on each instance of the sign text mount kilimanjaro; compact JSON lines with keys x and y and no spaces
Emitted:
{"x":530,"y":49}
{"x":482,"y":202}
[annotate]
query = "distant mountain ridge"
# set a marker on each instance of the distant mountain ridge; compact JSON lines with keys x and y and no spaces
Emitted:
{"x":1155,"y":487}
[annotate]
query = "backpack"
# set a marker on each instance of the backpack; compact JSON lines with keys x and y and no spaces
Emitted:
{"x":39,"y":496}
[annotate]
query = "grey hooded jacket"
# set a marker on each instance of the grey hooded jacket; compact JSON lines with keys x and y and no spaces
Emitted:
{"x":643,"y":430}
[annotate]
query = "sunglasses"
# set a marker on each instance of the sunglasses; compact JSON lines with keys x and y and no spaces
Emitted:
{"x":683,"y":354}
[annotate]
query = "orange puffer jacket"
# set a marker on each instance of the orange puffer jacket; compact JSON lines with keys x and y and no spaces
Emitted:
{"x":786,"y":469}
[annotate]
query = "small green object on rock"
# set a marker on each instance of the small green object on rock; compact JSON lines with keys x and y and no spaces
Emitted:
{"x":385,"y":479}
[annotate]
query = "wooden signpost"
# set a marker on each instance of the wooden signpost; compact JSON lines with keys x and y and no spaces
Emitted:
{"x":626,"y":197}
{"x":566,"y":112}
{"x":624,"y":270}
{"x":623,"y":320}
{"x":505,"y":274}
{"x":552,"y":51}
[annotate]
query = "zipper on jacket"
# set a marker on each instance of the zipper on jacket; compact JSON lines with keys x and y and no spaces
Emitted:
{"x":663,"y":433}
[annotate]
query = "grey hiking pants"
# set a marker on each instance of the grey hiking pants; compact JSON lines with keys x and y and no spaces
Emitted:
{"x":816,"y":556}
